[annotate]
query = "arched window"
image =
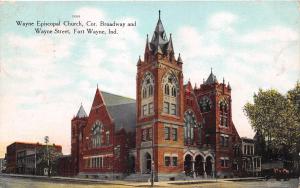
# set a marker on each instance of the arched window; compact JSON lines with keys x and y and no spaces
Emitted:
{"x":96,"y":134}
{"x":223,"y":113}
{"x":144,"y":93}
{"x":150,"y":90}
{"x":173,"y":91}
{"x":189,"y":125}
{"x":147,"y":93}
{"x":170,"y":86}
{"x":107,"y":138}
{"x":167,"y":89}
{"x":205,"y":104}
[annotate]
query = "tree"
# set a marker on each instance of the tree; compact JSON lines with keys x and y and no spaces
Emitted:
{"x":43,"y":155}
{"x":275,"y":116}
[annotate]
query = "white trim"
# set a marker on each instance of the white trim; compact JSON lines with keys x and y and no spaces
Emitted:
{"x":95,"y":156}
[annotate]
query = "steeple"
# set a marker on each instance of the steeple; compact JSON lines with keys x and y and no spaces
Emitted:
{"x":179,"y":60}
{"x":159,"y":38}
{"x":147,"y":48}
{"x":81,"y":112}
{"x":212,"y":78}
{"x":170,"y":48}
{"x":139,"y":61}
{"x":228,"y":86}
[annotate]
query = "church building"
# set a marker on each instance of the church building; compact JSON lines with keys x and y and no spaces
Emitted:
{"x":173,"y":129}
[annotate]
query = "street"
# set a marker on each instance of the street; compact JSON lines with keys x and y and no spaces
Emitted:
{"x":17,"y":182}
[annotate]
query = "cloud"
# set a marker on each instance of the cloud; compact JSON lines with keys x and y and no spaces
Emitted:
{"x":222,"y":21}
{"x":193,"y":45}
{"x":272,"y":63}
{"x":273,"y":33}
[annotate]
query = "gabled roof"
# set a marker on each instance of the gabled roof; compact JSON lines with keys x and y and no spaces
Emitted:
{"x":113,"y":99}
{"x":81,"y":112}
{"x":122,"y":110}
{"x":124,"y":116}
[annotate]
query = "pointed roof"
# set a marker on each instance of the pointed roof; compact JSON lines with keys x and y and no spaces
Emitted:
{"x":81,"y":112}
{"x":228,"y":85}
{"x":139,"y":61}
{"x":159,"y":38}
{"x":179,"y":60}
{"x":147,"y":48}
{"x":211,"y":78}
{"x":97,"y":99}
{"x":170,"y":44}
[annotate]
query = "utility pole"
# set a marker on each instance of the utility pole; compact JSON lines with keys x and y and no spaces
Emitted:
{"x":35,"y":159}
{"x":152,"y":159}
{"x":48,"y":163}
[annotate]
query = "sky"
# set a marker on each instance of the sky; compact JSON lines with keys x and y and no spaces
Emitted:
{"x":45,"y":78}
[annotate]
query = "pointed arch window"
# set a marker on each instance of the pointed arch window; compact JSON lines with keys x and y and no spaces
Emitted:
{"x":173,"y":91}
{"x":170,"y":86}
{"x":167,"y":89}
{"x":189,"y":125}
{"x":223,"y":113}
{"x":150,"y":90}
{"x":147,"y":90}
{"x":97,"y":130}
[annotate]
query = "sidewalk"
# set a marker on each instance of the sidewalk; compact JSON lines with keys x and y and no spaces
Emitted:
{"x":127,"y":183}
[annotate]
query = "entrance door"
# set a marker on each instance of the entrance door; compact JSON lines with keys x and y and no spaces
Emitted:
{"x":148,"y":163}
{"x":188,"y":165}
{"x":199,"y":165}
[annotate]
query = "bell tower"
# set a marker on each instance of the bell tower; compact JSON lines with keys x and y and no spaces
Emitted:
{"x":159,"y":95}
{"x":215,"y":103}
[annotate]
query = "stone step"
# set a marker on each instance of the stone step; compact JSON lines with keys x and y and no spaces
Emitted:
{"x":138,"y":177}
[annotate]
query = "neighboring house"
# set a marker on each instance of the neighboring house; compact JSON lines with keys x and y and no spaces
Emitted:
{"x":175,"y":129}
{"x":30,"y":158}
{"x":2,"y":165}
{"x":251,"y":162}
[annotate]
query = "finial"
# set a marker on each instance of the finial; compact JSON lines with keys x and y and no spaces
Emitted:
{"x":170,"y":35}
{"x":159,"y":14}
{"x":203,"y":81}
{"x":223,"y":81}
{"x":211,"y":70}
{"x":147,"y":36}
{"x":139,"y":57}
{"x":97,"y":85}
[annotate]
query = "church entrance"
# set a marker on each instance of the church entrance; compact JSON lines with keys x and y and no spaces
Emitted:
{"x":199,"y":165}
{"x":188,"y":165}
{"x":131,"y":164}
{"x":208,"y":166}
{"x":148,"y":163}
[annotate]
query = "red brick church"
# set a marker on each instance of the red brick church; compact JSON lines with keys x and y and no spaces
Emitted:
{"x":172,"y":128}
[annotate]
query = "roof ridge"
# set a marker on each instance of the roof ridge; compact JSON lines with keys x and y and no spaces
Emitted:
{"x":121,"y":104}
{"x":117,"y":95}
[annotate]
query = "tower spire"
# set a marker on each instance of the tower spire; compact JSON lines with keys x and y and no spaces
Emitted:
{"x":159,"y":38}
{"x":158,"y":14}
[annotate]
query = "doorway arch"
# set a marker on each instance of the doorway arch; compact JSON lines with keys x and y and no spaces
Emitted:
{"x":188,"y":165}
{"x":208,"y":166}
{"x":199,"y":165}
{"x":147,"y":163}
